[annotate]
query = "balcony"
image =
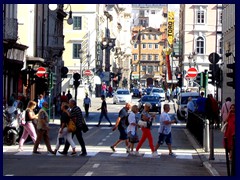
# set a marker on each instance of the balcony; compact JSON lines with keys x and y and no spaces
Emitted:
{"x":10,"y":29}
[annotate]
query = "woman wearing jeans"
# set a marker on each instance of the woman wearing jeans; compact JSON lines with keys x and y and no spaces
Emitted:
{"x":146,"y":131}
{"x":63,"y":132}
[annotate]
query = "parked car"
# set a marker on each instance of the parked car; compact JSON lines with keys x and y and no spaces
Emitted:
{"x":122,"y":96}
{"x":158,"y":92}
{"x":147,"y":91}
{"x":135,"y":92}
{"x":182,"y":103}
{"x":154,"y":100}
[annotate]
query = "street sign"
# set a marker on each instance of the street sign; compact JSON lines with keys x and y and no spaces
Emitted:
{"x":192,"y":72}
{"x":213,"y":58}
{"x":87,"y":72}
{"x":40,"y":71}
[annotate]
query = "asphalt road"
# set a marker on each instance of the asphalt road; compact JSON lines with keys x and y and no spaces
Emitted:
{"x":101,"y":161}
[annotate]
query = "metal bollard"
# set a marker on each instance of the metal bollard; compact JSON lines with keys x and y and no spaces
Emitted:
{"x":206,"y":136}
{"x":53,"y":112}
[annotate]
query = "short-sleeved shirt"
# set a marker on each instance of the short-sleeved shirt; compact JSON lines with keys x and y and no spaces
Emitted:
{"x":145,"y":113}
{"x":123,"y":114}
{"x":104,"y":106}
{"x":42,"y":115}
{"x":64,"y":119}
{"x":76,"y":113}
{"x":131,"y":119}
{"x":163,"y":128}
{"x":87,"y":100}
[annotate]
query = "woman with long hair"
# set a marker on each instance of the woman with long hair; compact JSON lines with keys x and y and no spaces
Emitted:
{"x":29,"y":128}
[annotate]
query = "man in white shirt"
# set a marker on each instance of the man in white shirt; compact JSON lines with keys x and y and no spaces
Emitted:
{"x":86,"y":104}
{"x":164,"y":130}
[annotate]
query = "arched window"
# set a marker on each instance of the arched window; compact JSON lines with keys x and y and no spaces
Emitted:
{"x":200,"y":45}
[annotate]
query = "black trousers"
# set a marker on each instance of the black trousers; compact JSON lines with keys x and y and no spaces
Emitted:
{"x":86,"y":107}
{"x":78,"y":133}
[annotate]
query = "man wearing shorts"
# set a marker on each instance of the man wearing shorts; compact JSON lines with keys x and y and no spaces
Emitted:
{"x":164,"y":130}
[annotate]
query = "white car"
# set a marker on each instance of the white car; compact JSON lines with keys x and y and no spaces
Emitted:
{"x":158,"y":92}
{"x":122,"y":96}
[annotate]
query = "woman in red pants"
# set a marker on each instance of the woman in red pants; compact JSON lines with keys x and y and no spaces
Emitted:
{"x":146,"y":131}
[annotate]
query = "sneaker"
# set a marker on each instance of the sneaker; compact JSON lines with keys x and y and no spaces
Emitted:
{"x":172,"y":154}
{"x":73,"y":154}
{"x":132,"y":153}
{"x":36,"y":152}
{"x":155,"y":154}
{"x":20,"y":149}
{"x":137,"y":153}
{"x":83,"y":154}
{"x":51,"y":153}
{"x":62,"y":153}
{"x":113,"y":149}
{"x":127,"y":150}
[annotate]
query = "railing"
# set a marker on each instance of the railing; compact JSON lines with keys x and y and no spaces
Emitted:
{"x":10,"y":29}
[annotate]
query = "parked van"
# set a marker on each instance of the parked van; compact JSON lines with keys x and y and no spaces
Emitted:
{"x":182,"y":103}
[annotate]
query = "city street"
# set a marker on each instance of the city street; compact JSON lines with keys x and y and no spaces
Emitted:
{"x":101,"y":161}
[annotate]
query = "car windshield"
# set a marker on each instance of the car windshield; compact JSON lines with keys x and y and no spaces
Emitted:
{"x":150,"y":98}
{"x":123,"y":92}
{"x":158,"y":90}
{"x":184,"y":100}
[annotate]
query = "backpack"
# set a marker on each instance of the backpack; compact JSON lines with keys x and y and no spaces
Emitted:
{"x":22,"y":118}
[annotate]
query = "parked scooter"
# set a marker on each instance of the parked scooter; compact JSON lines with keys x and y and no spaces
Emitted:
{"x":11,"y":127}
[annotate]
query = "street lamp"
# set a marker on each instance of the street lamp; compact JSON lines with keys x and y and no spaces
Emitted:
{"x":80,"y":53}
{"x":107,"y":43}
{"x":54,"y":7}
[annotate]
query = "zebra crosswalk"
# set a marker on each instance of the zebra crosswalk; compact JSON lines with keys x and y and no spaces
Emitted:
{"x":120,"y":152}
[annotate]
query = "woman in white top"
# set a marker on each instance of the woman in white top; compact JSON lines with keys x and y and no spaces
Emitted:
{"x":132,"y":127}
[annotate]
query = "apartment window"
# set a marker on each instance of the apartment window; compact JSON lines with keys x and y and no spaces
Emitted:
{"x":143,"y":36}
{"x":77,"y":23}
{"x":135,"y":46}
{"x":150,"y":46}
{"x":135,"y":57}
{"x":220,"y":46}
{"x":134,"y":68}
{"x":76,"y":48}
{"x":156,"y":57}
{"x":220,"y":17}
{"x":144,"y":57}
{"x":155,"y":68}
{"x":149,"y":36}
{"x":152,"y":11}
{"x":150,"y":69}
{"x":155,"y":37}
{"x":156,"y":46}
{"x":144,"y":46}
{"x":200,"y":17}
{"x":141,"y":13}
{"x":143,"y":68}
{"x":200,"y":45}
{"x":149,"y":57}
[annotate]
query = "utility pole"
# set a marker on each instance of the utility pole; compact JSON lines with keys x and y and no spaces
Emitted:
{"x":139,"y":55}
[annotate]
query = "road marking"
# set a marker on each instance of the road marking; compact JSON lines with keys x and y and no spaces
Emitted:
{"x":96,"y":165}
{"x":89,"y":173}
{"x":184,"y":156}
{"x":99,"y":144}
{"x":104,"y":139}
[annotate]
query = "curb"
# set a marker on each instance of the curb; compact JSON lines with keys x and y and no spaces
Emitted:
{"x":202,"y":157}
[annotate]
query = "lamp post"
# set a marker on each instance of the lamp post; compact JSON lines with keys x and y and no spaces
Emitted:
{"x":88,"y":63}
{"x":80,"y":52}
{"x":108,"y":43}
{"x":54,"y":7}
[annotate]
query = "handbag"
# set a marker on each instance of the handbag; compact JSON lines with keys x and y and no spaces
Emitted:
{"x":224,"y":127}
{"x":133,"y":138}
{"x":142,"y":123}
{"x":71,"y":127}
{"x":61,"y":140}
{"x":84,"y":126}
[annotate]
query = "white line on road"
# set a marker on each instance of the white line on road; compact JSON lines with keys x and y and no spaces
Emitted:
{"x":89,"y":173}
{"x":96,"y":165}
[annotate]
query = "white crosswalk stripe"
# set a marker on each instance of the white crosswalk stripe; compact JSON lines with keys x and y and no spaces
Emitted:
{"x":120,"y":152}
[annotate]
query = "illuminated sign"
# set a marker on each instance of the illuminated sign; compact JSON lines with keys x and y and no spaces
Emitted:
{"x":170,"y":28}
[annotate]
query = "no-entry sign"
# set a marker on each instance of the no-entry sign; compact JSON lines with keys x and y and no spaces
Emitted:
{"x":192,"y":72}
{"x":87,"y":72}
{"x":40,"y":71}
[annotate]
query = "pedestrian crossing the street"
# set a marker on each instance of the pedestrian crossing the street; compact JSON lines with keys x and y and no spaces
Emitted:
{"x":94,"y":151}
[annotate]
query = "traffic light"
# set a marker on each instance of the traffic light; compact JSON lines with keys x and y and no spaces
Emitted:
{"x":64,"y":71}
{"x":231,"y":75}
{"x":112,"y":75}
{"x":198,"y":79}
{"x":218,"y":75}
{"x":24,"y":77}
{"x":119,"y":76}
{"x":211,"y":74}
{"x":76,"y":77}
{"x":205,"y":79}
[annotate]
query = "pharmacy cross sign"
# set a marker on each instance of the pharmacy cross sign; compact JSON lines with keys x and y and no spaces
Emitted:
{"x":192,"y":72}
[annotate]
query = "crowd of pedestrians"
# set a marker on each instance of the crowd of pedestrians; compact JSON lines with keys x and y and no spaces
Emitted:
{"x":37,"y":124}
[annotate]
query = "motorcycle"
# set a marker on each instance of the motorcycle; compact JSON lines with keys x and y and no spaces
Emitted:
{"x":11,"y":128}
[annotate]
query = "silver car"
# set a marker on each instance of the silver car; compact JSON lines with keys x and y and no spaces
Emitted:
{"x":158,"y":92}
{"x":122,"y":96}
